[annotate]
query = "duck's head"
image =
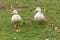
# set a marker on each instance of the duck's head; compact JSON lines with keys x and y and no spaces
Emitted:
{"x":15,"y":12}
{"x":38,"y":9}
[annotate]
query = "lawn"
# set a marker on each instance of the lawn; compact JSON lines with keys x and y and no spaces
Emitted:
{"x":30,"y":30}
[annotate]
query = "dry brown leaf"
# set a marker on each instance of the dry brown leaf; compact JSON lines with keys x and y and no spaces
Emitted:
{"x":15,"y":38}
{"x":18,"y":30}
{"x":47,"y":39}
{"x":50,"y":24}
{"x":11,"y":6}
{"x":47,"y":17}
{"x":44,"y":9}
{"x":58,"y":30}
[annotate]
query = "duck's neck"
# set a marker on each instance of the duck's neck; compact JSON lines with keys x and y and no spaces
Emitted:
{"x":39,"y":12}
{"x":16,"y":14}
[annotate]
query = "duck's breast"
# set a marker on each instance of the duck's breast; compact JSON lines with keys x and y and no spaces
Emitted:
{"x":39,"y":17}
{"x":15,"y":18}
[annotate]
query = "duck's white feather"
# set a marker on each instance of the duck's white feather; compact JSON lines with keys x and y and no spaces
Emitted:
{"x":15,"y":18}
{"x":39,"y":16}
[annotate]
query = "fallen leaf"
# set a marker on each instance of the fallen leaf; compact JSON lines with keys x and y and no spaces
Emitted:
{"x":11,"y":6}
{"x":44,"y":9}
{"x":15,"y":38}
{"x":47,"y":39}
{"x":47,"y":17}
{"x":50,"y":24}
{"x":18,"y":30}
{"x":56,"y":28}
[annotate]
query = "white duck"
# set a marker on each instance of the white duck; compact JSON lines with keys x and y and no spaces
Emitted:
{"x":16,"y":19}
{"x":39,"y":17}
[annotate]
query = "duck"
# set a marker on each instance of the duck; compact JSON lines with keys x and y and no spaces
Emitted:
{"x":16,"y":18}
{"x":39,"y":16}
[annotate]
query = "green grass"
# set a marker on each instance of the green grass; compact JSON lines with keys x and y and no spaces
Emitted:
{"x":30,"y":30}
